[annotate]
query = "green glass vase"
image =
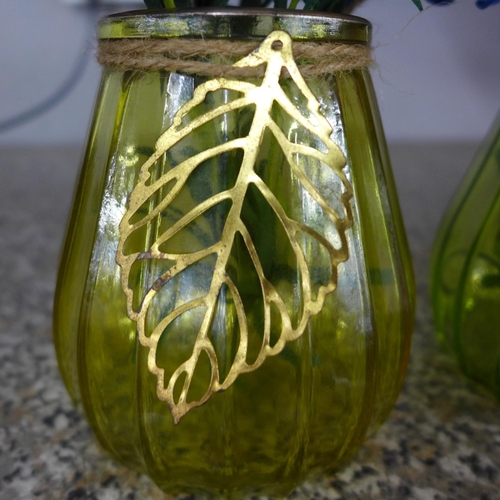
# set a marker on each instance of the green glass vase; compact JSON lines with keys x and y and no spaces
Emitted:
{"x":466,"y":269}
{"x":235,"y":298}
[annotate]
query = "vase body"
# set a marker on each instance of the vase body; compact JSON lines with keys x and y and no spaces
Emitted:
{"x":308,"y":405}
{"x":466,"y":269}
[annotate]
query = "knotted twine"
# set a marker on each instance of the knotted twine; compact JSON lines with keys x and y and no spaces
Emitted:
{"x":207,"y":57}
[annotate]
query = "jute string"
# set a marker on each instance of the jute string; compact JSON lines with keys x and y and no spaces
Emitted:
{"x":207,"y":57}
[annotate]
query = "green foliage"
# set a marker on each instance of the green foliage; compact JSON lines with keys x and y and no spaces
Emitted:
{"x":339,"y":6}
{"x":154,"y":4}
{"x":326,"y":5}
{"x":418,"y":3}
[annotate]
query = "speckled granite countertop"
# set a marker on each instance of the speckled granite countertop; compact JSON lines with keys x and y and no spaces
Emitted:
{"x":442,"y":440}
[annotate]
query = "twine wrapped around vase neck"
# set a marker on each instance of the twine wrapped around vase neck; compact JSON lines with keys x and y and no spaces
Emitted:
{"x":209,"y":57}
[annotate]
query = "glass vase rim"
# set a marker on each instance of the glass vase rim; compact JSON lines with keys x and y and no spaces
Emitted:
{"x":236,"y":23}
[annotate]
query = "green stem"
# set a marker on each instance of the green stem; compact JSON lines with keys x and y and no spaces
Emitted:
{"x":160,"y":4}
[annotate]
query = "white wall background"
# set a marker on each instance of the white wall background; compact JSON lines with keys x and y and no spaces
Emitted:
{"x":438,"y":73}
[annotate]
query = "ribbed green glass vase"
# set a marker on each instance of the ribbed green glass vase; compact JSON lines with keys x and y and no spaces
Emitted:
{"x":466,"y":269}
{"x":308,"y":406}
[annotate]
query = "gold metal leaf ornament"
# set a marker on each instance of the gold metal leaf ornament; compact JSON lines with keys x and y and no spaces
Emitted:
{"x":161,"y":189}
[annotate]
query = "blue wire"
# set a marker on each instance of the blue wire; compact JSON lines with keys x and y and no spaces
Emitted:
{"x":53,"y":100}
{"x":93,"y":9}
{"x":68,"y":85}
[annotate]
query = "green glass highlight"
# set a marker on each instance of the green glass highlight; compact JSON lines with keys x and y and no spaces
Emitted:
{"x":466,"y":269}
{"x":304,"y":411}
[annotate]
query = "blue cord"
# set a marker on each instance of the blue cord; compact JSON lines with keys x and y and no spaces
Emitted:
{"x":67,"y":86}
{"x":53,"y":100}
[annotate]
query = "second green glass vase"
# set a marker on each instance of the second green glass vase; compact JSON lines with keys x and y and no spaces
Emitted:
{"x":466,"y":269}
